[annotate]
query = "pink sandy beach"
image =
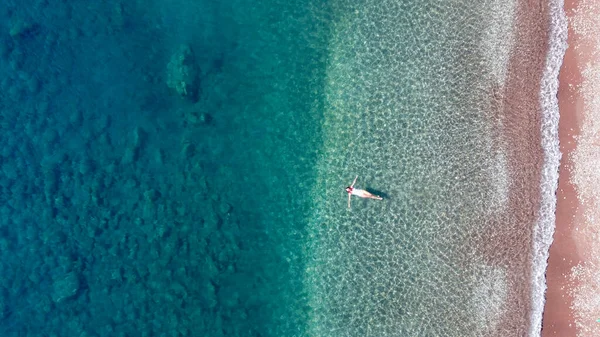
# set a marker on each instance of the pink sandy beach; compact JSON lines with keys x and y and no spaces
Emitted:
{"x":573,"y":275}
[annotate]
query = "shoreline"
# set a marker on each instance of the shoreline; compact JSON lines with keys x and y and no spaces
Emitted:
{"x":529,"y":115}
{"x":558,"y":317}
{"x":571,"y":259}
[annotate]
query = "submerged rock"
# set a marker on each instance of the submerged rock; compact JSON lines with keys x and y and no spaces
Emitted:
{"x":65,"y":287}
{"x":183,"y":73}
{"x":20,"y":28}
{"x":195,"y":115}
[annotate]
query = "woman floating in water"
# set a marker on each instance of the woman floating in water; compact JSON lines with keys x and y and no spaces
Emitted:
{"x":359,"y":193}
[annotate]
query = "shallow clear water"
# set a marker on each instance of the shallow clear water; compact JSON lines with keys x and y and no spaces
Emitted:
{"x":138,"y":199}
{"x":410,"y":110}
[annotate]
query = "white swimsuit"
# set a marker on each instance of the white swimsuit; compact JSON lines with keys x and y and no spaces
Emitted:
{"x":358,"y":192}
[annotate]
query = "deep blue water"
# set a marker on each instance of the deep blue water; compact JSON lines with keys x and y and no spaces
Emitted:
{"x":134,"y":205}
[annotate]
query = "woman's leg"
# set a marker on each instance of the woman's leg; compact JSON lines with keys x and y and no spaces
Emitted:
{"x":371,"y":196}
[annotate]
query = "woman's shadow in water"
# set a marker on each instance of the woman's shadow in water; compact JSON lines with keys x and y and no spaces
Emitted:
{"x":382,"y":194}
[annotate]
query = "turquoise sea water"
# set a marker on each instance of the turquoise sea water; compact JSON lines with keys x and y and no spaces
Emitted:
{"x":176,"y":168}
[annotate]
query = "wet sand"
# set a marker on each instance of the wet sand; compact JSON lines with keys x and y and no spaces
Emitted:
{"x":570,"y":297}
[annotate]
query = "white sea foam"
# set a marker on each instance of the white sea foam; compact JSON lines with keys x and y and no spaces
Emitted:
{"x":544,"y":227}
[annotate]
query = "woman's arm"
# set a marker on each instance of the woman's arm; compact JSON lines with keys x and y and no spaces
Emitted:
{"x":354,"y":182}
